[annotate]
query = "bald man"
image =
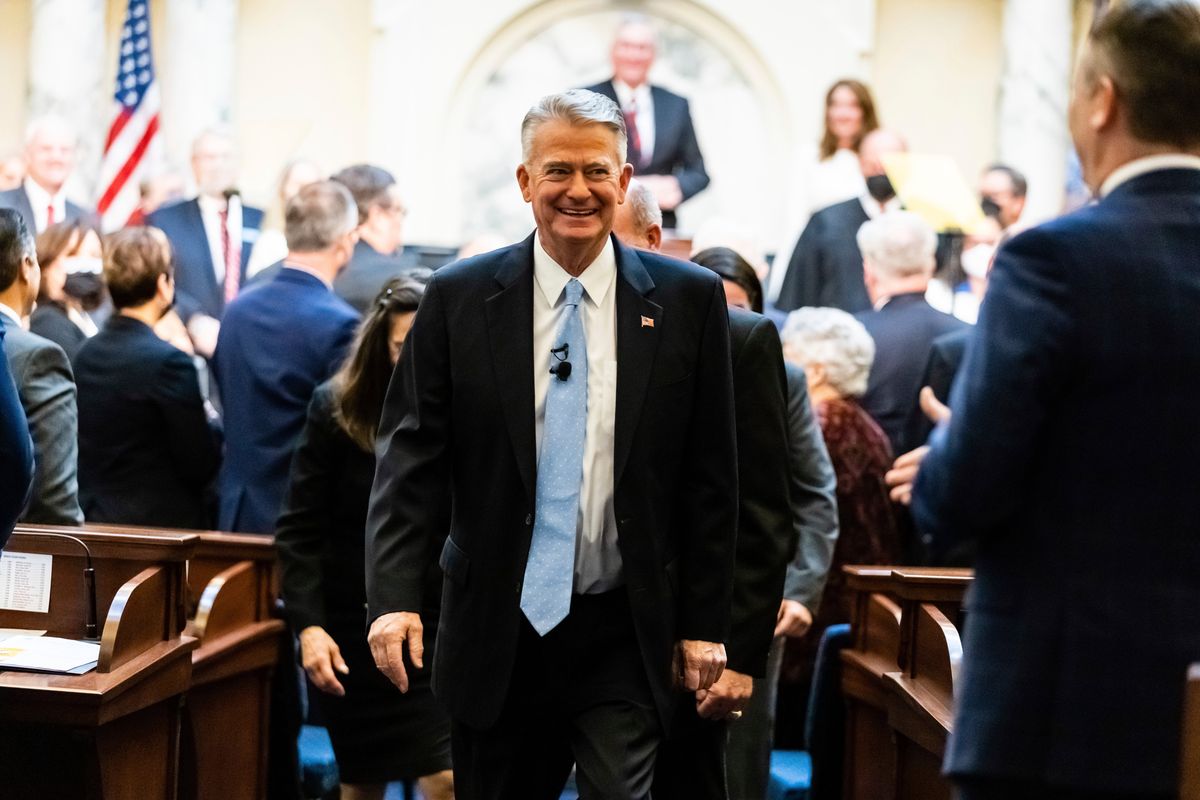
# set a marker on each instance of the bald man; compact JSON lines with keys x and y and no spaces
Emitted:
{"x":826,"y":267}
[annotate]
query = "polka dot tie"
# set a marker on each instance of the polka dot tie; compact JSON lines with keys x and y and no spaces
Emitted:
{"x":550,"y":569}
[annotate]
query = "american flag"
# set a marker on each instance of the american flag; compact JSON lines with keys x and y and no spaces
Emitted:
{"x":134,"y":145}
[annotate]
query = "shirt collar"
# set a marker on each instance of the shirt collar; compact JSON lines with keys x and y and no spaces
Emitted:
{"x":11,"y":314}
{"x":551,"y":278}
{"x":39,"y":197}
{"x":1140,"y":166}
{"x":876,"y":209}
{"x":625,"y":93}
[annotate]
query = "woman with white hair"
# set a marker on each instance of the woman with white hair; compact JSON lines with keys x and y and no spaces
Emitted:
{"x":836,"y":353}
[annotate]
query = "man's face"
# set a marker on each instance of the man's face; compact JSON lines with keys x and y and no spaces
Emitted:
{"x":213,"y":165}
{"x":633,"y":54}
{"x":387,"y":220}
{"x":574,"y":180}
{"x":31,"y":276}
{"x":997,"y":186}
{"x":876,"y":146}
{"x":50,"y":156}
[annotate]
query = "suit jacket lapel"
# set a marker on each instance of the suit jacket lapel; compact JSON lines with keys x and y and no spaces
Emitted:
{"x":639,"y":322}
{"x":510,"y":331}
{"x":665,"y":119}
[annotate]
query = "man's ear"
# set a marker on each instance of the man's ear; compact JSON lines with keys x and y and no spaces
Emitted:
{"x":524,"y":180}
{"x":654,"y":237}
{"x":626,"y":177}
{"x":1103,"y":104}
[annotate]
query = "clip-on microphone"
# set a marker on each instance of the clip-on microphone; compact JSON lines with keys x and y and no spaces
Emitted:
{"x":561,"y":370}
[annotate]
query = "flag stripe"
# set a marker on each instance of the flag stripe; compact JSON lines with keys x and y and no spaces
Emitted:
{"x":134,"y":160}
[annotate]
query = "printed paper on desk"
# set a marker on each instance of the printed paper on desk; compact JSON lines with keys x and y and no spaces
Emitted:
{"x":25,"y":581}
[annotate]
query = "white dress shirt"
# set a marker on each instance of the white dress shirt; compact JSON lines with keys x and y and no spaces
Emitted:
{"x":597,"y":557}
{"x":41,"y":200}
{"x":645,"y":113}
{"x":13,"y":315}
{"x":876,"y":209}
{"x":210,"y":213}
{"x":1140,"y":166}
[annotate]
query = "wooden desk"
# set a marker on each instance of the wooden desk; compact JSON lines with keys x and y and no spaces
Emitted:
{"x":112,"y":733}
{"x":898,"y":679}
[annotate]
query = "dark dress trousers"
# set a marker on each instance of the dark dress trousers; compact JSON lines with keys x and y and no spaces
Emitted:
{"x":456,"y":476}
{"x":278,"y":342}
{"x":147,"y":452}
{"x":47,"y":390}
{"x":50,"y":321}
{"x":367,"y":272}
{"x":692,"y":761}
{"x":17,"y":199}
{"x":378,"y":734}
{"x":904,"y":331}
{"x":196,"y":287}
{"x":676,"y":151}
{"x":1070,"y":462}
{"x":16,"y":451}
{"x":826,"y":266}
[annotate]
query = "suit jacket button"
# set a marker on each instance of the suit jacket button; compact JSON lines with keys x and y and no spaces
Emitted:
{"x":529,"y":519}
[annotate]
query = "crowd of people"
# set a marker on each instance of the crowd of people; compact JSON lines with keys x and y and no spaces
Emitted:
{"x":581,"y":480}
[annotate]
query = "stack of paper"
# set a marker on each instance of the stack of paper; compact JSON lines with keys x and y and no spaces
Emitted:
{"x":48,"y":654}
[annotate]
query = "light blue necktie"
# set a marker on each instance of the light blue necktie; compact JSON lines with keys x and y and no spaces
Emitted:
{"x":550,"y":569}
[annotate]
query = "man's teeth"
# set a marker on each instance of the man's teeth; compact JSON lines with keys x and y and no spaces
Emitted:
{"x":578,"y":212}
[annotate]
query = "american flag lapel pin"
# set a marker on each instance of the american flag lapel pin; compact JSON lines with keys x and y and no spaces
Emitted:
{"x":647,"y":322}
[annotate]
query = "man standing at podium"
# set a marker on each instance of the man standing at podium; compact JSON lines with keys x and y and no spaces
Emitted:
{"x":560,"y":428}
{"x":1070,"y":457}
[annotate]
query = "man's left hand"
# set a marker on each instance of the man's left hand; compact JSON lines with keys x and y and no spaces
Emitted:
{"x":665,"y":189}
{"x":727,"y":697}
{"x":699,"y":664}
{"x":903,"y":473}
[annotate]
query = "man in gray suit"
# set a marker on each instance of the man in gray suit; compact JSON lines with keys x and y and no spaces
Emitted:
{"x":44,"y":382}
{"x":41,"y":198}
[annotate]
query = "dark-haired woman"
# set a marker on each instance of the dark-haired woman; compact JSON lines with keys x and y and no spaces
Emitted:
{"x":378,"y":734}
{"x":70,"y":256}
{"x":742,"y":287}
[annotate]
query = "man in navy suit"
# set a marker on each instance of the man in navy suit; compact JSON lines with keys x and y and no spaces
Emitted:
{"x":16,"y":447}
{"x":585,"y":515}
{"x":662,"y":140}
{"x":41,"y":199}
{"x":1070,"y":458}
{"x":898,"y":259}
{"x":278,"y":341}
{"x":212,"y":236}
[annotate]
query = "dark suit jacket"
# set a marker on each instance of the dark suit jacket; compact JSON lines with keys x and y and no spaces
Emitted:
{"x":813,"y":497}
{"x":320,"y":535}
{"x":826,"y":266}
{"x":47,"y":389}
{"x":196,"y":287}
{"x":147,"y":452}
{"x":51,"y":322}
{"x":765,"y":539}
{"x":945,"y":358}
{"x":457,"y":464}
{"x":676,"y":151}
{"x":278,"y":341}
{"x":19,"y":200}
{"x":366,"y":274}
{"x":16,"y":451}
{"x":903,"y":330}
{"x":1071,"y":462}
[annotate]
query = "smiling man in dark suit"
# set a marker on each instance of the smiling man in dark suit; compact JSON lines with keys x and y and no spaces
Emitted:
{"x":662,"y":140}
{"x":41,"y":199}
{"x":212,"y":236}
{"x":1069,"y":459}
{"x":561,"y":428}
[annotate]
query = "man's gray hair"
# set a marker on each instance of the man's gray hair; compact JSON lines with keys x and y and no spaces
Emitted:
{"x":577,"y":107}
{"x":833,"y":339}
{"x":899,"y":244}
{"x":319,"y":215}
{"x":49,"y":123}
{"x":643,"y":205}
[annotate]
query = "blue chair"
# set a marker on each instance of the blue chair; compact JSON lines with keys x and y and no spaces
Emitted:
{"x":816,"y":773}
{"x":318,"y":767}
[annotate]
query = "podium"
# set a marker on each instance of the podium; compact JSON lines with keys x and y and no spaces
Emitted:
{"x":898,"y":679}
{"x":112,"y":733}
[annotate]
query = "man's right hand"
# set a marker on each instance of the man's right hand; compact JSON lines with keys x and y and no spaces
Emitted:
{"x":387,"y":638}
{"x":204,"y":331}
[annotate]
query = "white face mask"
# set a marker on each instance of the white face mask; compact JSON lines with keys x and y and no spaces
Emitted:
{"x":76,"y":265}
{"x":977,"y":259}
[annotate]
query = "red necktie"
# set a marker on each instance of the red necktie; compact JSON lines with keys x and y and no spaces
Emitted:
{"x":49,"y":215}
{"x":631,"y":130}
{"x":233,"y":259}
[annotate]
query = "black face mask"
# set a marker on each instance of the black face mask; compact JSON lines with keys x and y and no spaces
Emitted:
{"x":990,"y":207}
{"x":879,"y":187}
{"x":85,"y":286}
